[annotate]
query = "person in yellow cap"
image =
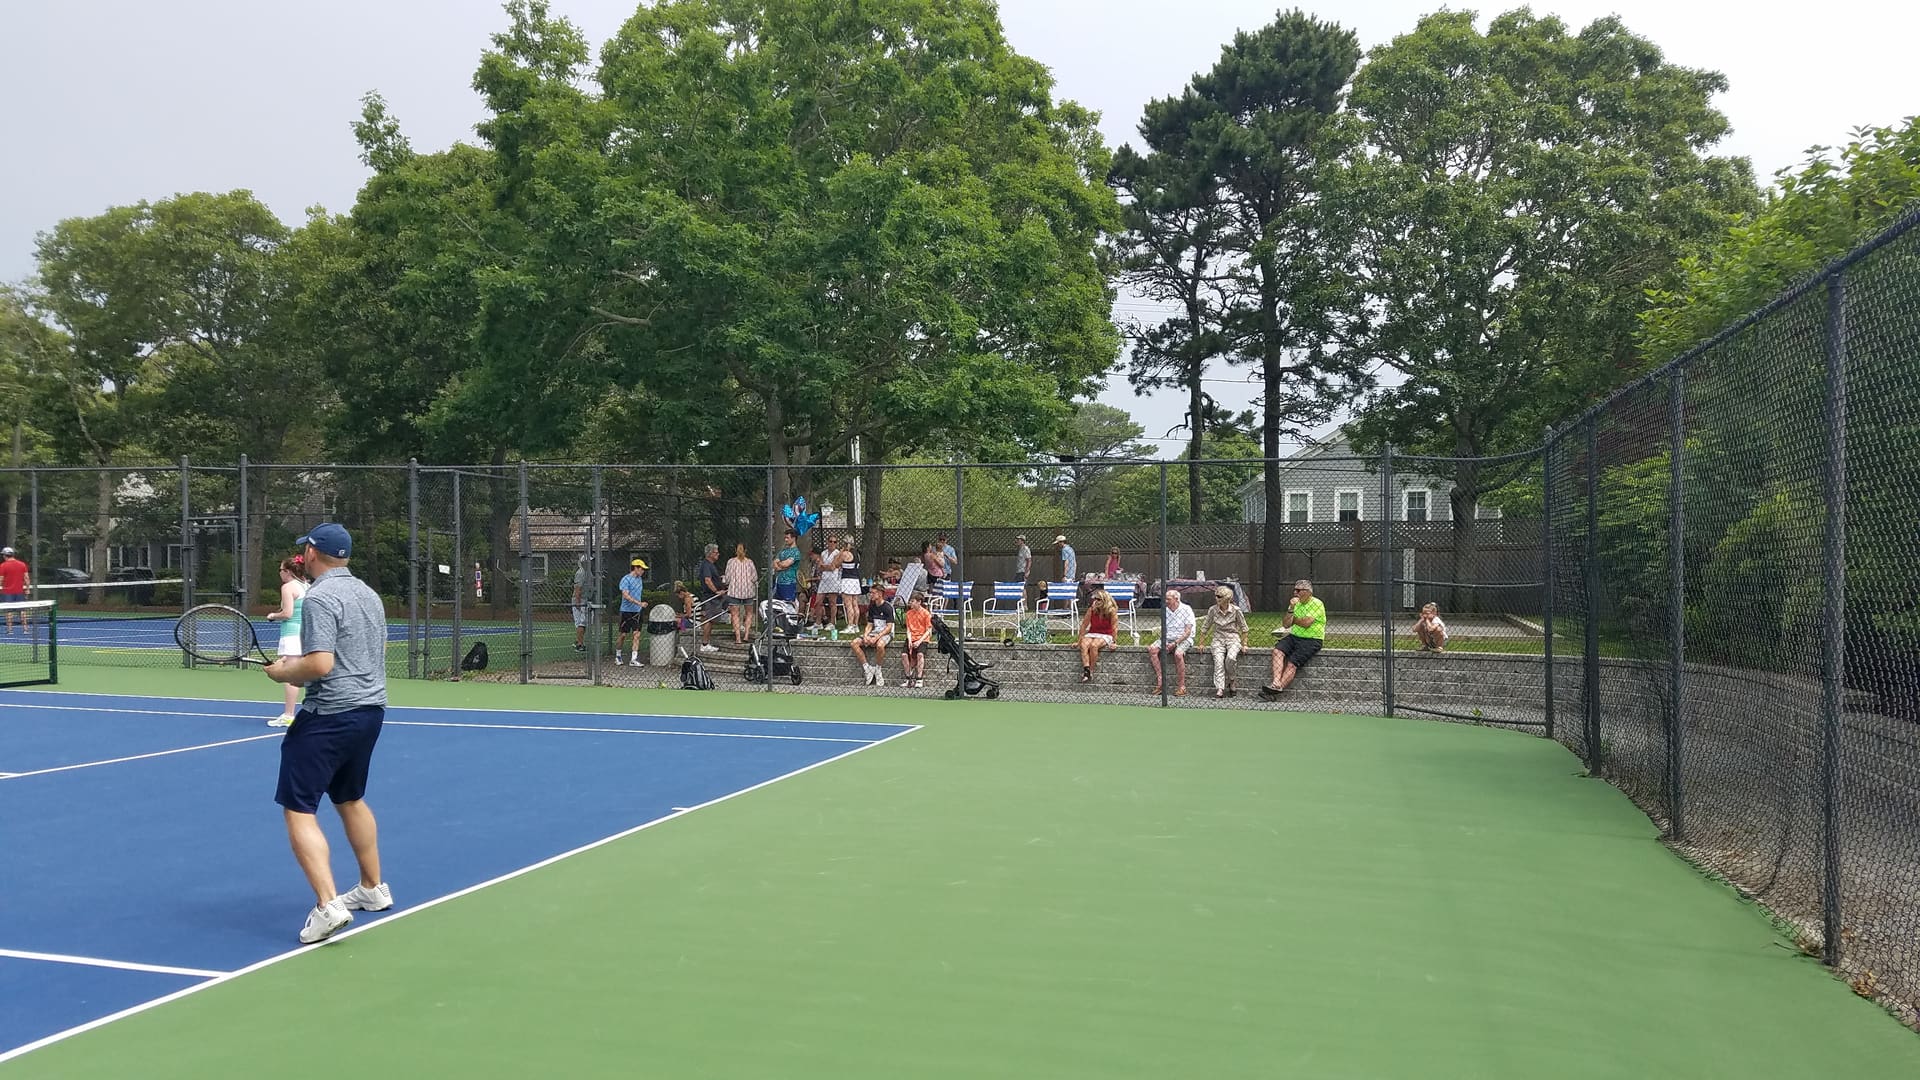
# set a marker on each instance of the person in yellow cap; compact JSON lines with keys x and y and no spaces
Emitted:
{"x":633,"y":617}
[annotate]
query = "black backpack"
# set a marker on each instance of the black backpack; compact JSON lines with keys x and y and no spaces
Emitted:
{"x":693,"y":674}
{"x":476,"y":658}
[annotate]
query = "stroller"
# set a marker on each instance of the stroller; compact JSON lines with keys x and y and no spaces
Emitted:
{"x":973,"y":672}
{"x":781,"y":625}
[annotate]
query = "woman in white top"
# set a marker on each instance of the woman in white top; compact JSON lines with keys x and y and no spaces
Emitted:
{"x":743,"y":586}
{"x":828,"y":591}
{"x":293,"y":596}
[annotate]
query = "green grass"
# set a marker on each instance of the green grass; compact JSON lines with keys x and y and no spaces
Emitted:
{"x":1057,"y":891}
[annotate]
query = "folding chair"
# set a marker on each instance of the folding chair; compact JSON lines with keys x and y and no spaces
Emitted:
{"x":1002,"y":610}
{"x":1062,"y":602}
{"x":1125,"y":603}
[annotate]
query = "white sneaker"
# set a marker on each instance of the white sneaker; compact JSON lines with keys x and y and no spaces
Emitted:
{"x":879,"y":677}
{"x":617,"y":659}
{"x":709,"y":648}
{"x":325,"y":920}
{"x":361,"y":898}
{"x":866,"y":674}
{"x":283,"y":720}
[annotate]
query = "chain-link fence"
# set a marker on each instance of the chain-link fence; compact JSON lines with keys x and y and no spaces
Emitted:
{"x":1706,"y":586}
{"x":1732,"y":555}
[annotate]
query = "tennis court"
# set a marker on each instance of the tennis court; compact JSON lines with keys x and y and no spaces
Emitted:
{"x":866,"y":888}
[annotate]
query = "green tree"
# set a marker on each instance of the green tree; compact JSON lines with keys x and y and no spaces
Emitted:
{"x":1234,"y":459}
{"x":1090,"y":447}
{"x":29,"y":351}
{"x":1262,"y":121}
{"x":1510,"y":195}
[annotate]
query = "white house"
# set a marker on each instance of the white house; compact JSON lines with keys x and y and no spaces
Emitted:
{"x":1329,"y":482}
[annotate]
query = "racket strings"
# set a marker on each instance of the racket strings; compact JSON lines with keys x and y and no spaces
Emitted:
{"x":216,"y":632}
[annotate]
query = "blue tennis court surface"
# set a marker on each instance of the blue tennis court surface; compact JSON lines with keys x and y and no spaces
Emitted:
{"x":143,"y":855}
{"x":156,"y":631}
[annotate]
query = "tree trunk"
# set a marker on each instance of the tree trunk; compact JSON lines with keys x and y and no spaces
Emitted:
{"x":872,"y":534}
{"x":1271,"y":596}
{"x":1195,"y":403}
{"x":253,"y":518}
{"x":102,"y":536}
{"x":13,"y":491}
{"x":1464,"y":502}
{"x":782,"y":470}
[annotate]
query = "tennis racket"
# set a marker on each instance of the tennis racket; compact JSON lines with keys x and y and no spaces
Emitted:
{"x":218,"y":634}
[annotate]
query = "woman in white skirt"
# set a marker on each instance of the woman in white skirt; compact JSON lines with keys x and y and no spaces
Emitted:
{"x":828,"y":589}
{"x":850,"y":591}
{"x":293,"y":596}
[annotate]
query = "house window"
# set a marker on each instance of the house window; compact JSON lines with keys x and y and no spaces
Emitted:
{"x":1299,"y":507}
{"x":1416,"y":504}
{"x":1491,"y":513}
{"x":537,"y":566}
{"x":1347,"y":504}
{"x":170,"y":557}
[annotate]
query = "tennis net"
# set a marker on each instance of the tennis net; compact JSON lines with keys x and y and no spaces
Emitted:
{"x":29,"y":643}
{"x":114,"y":599}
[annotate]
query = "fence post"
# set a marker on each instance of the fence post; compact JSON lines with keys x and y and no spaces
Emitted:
{"x":1166,"y":586}
{"x":1386,"y":577}
{"x":1590,"y":584}
{"x":33,"y":523}
{"x":1548,"y":566}
{"x":1834,"y":543}
{"x":240,"y":551}
{"x":957,"y":574}
{"x":457,"y":560}
{"x":526,"y":571}
{"x":413,"y":568}
{"x":766,"y":624}
{"x":591,"y":597}
{"x":1677,"y":607}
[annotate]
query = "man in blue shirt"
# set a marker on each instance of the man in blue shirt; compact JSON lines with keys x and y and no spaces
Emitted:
{"x":633,"y":618}
{"x":1069,"y":568}
{"x":786,"y":569}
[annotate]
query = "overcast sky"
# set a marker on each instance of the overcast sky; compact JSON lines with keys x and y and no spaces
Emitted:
{"x":108,"y":102}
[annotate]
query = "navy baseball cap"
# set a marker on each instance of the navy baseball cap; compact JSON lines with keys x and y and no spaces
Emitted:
{"x":331,"y":540}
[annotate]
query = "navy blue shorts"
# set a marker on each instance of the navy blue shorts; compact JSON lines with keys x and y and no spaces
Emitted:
{"x":785,"y":590}
{"x":328,"y":754}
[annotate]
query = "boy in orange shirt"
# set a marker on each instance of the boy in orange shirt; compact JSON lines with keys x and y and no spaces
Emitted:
{"x":913,"y":662}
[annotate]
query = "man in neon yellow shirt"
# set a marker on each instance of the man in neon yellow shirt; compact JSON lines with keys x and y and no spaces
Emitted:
{"x":1303,"y":631}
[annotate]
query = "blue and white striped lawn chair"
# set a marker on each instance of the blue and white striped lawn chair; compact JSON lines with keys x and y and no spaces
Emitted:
{"x":1126,"y":605}
{"x":1062,"y":602}
{"x":951,"y":597}
{"x":1002,"y":611}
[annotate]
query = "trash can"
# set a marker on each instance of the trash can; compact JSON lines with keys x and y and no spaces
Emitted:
{"x":663,"y":628}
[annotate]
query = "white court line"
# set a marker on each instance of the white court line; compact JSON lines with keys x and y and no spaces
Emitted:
{"x":452,"y":708}
{"x":9,"y":1055}
{"x":139,"y":757}
{"x":622,"y":731}
{"x":117,"y":965}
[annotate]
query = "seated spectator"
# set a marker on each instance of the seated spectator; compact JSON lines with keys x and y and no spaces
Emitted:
{"x":1096,"y":632}
{"x":1303,"y":630}
{"x":1227,"y":632}
{"x":913,"y":662}
{"x":1430,"y":630}
{"x":1179,"y":622}
{"x":879,"y":631}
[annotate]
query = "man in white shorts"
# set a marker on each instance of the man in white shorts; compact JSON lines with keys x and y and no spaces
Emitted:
{"x":1179,"y":623}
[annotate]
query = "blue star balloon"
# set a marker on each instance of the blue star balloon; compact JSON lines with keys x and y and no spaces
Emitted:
{"x":796,"y":514}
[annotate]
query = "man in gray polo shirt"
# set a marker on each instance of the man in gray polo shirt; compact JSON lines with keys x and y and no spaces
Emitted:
{"x":329,"y":748}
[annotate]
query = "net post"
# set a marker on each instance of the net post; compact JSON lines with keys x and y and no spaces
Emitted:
{"x":1386,"y":577}
{"x":1676,"y":606}
{"x":956,"y":574}
{"x":457,"y":560}
{"x":1833,"y":674}
{"x":1548,"y":567}
{"x":1590,"y":567}
{"x":53,"y":642}
{"x":596,"y":539}
{"x":526,"y":570}
{"x":413,"y":568}
{"x":1165,"y":586}
{"x":188,"y":556}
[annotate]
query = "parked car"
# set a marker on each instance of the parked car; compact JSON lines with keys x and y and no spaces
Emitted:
{"x":65,"y":575}
{"x":140,"y":595}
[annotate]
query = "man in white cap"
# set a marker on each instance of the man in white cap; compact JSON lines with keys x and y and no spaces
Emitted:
{"x":13,"y":586}
{"x":1069,"y":562}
